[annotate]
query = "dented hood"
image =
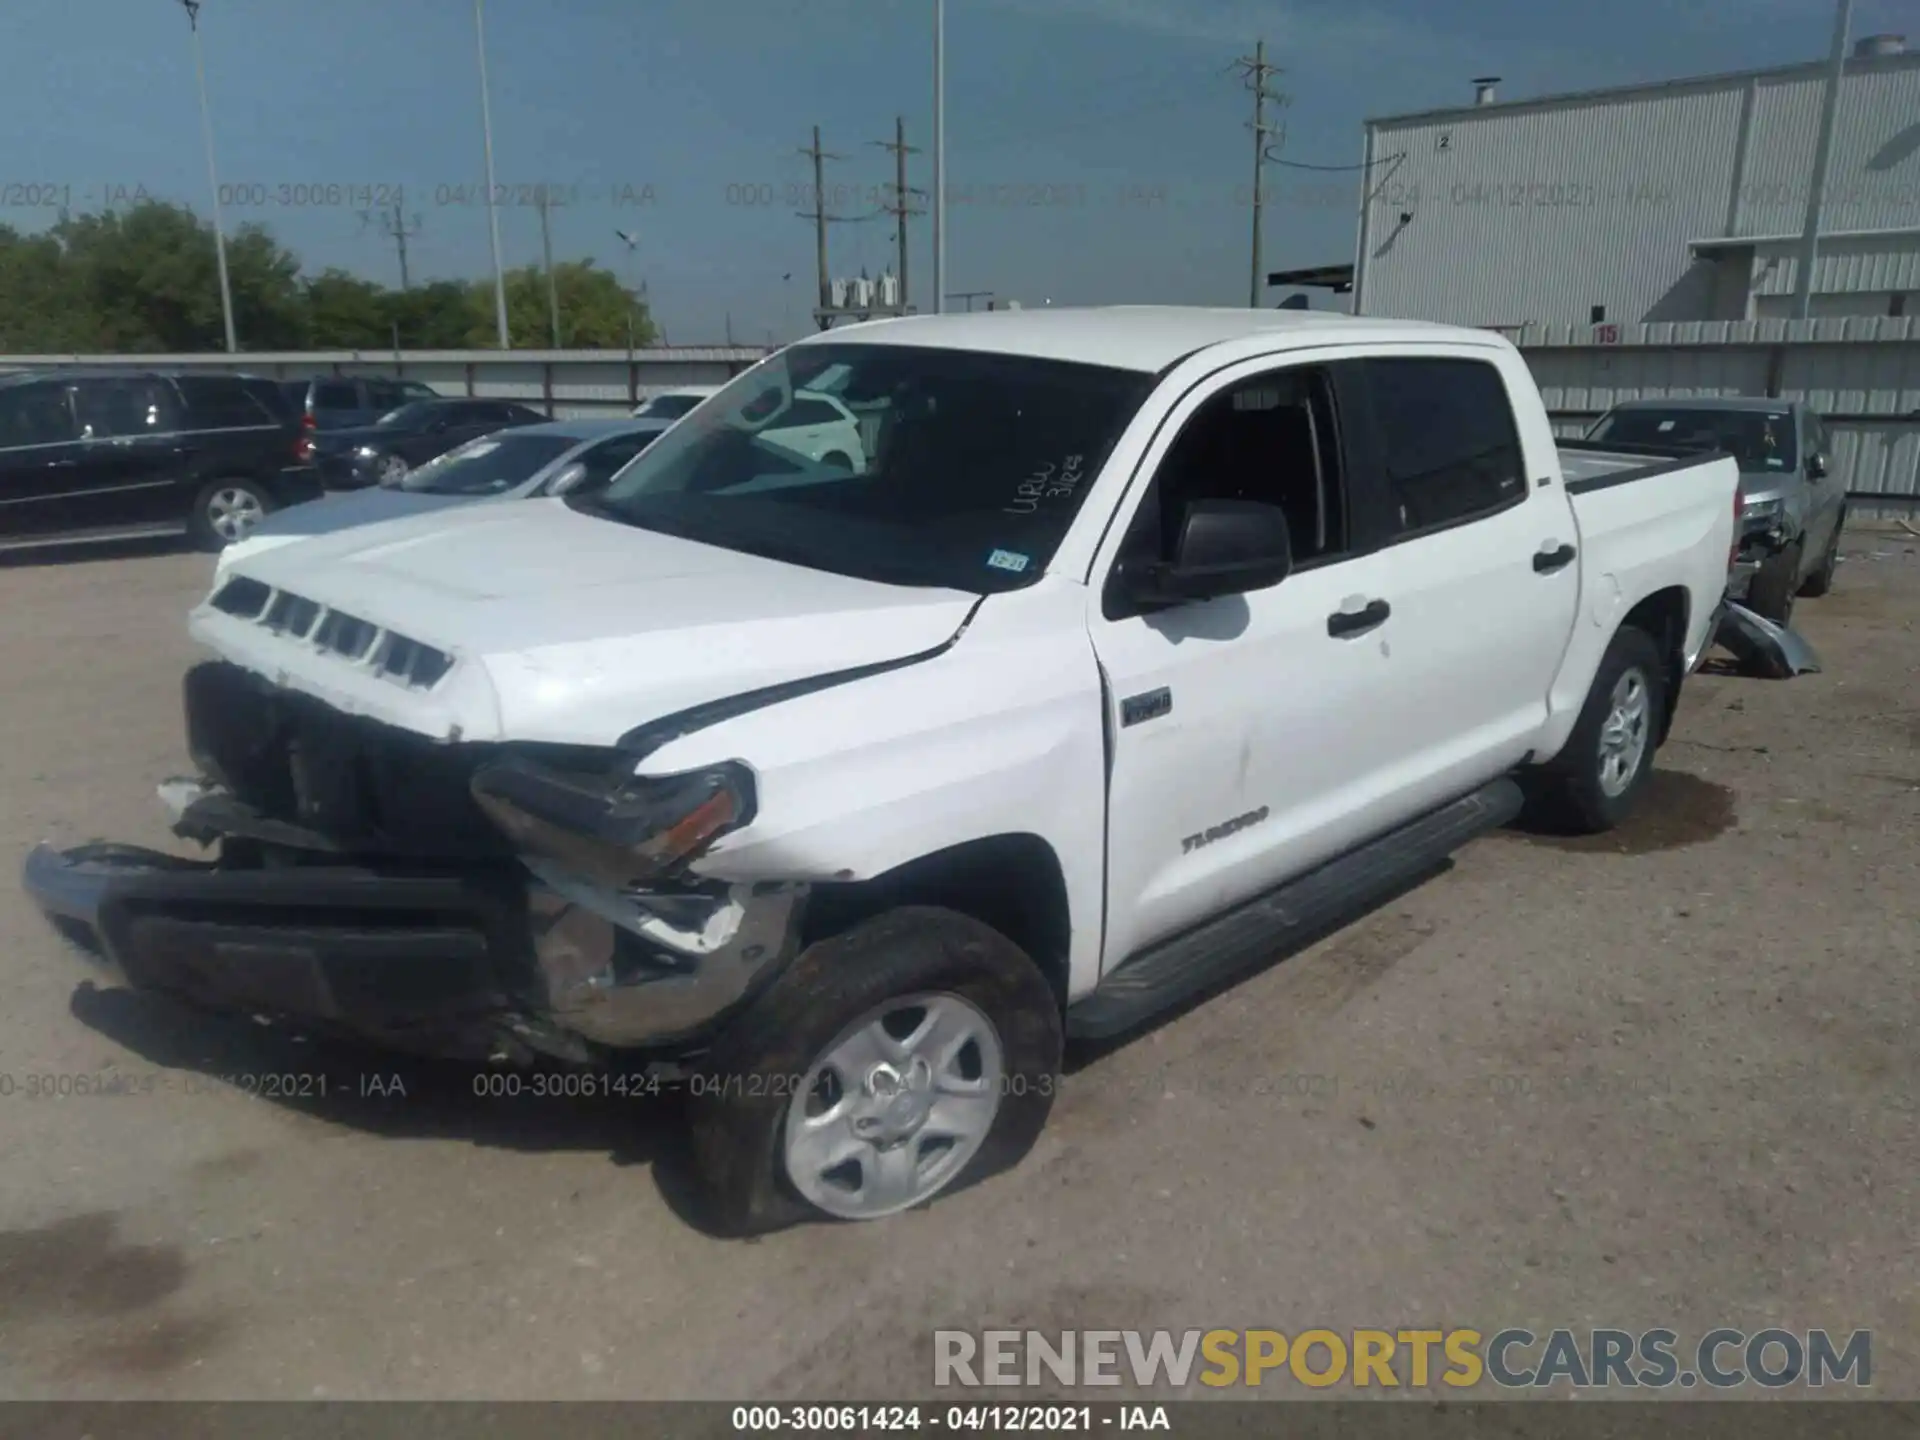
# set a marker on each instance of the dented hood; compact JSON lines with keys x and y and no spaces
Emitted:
{"x":565,"y":627}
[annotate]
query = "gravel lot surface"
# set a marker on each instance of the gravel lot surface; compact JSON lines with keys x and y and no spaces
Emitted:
{"x":1666,"y":1077}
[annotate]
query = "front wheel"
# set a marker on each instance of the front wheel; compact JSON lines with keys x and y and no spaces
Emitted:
{"x":226,"y":511}
{"x":391,"y":470}
{"x":1591,"y":785}
{"x":908,"y":1057}
{"x":1770,"y":593}
{"x":1821,"y":581}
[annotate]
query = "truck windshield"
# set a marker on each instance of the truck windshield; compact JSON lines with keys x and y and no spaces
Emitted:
{"x":946,"y":468}
{"x":1757,"y":439}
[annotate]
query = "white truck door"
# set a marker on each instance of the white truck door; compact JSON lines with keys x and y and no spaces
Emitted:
{"x":1485,"y":562}
{"x":1236,"y":757}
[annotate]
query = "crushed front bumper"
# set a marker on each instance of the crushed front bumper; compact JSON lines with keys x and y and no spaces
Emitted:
{"x":484,"y":963}
{"x":408,"y":959}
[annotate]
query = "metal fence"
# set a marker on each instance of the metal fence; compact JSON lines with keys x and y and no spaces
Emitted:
{"x":564,"y":383}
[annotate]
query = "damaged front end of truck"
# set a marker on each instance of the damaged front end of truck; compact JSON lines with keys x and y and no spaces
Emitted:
{"x":483,"y":901}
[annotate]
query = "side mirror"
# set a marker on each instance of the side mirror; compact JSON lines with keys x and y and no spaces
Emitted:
{"x":569,"y":478}
{"x":1227,"y":547}
{"x":1816,"y":467}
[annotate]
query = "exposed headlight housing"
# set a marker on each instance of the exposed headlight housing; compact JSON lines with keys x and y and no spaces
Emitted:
{"x":621,"y":831}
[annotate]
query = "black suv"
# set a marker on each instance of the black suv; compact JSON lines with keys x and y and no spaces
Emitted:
{"x":123,"y":455}
{"x":335,"y":401}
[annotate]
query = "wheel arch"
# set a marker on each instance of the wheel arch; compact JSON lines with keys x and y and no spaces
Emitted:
{"x":1012,"y":882}
{"x":1665,"y":616}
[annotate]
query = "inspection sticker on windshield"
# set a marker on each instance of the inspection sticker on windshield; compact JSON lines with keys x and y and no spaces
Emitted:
{"x":1007,"y":560}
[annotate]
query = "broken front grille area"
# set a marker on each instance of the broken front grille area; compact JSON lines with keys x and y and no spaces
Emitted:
{"x":368,"y":787}
{"x":392,"y":656}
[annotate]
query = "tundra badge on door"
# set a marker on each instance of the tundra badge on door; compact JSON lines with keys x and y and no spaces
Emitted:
{"x":1223,"y":829}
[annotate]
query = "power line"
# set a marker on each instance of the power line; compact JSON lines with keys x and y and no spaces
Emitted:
{"x":1254,"y":71}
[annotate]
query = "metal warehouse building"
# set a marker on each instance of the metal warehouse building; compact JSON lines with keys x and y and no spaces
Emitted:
{"x":1681,"y":201}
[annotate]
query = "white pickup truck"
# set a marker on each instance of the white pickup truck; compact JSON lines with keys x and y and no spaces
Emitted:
{"x":1141,"y":644}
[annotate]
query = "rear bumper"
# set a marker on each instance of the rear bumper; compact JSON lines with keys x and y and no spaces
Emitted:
{"x":381,"y":956}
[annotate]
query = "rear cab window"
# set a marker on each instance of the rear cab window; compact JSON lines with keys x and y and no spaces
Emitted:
{"x":1448,"y":448}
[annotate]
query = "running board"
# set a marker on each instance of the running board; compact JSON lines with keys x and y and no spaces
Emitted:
{"x":1260,"y":932}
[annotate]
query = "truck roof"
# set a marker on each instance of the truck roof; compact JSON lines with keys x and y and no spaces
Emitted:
{"x":1133,"y":337}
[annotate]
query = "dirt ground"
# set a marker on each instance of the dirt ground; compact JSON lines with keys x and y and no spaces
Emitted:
{"x":1667,"y":1077}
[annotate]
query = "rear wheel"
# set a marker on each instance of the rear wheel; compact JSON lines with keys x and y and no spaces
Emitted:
{"x":1821,"y":580}
{"x":1770,"y":593}
{"x":910,"y":1056}
{"x":1591,"y":785}
{"x":226,"y":511}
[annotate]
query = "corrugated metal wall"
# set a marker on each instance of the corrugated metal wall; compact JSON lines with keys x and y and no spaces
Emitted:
{"x":1864,"y":377}
{"x":1537,"y":212}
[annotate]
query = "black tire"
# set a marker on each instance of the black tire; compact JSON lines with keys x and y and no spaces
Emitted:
{"x":738,"y":1103}
{"x":210,"y":522}
{"x":1566,"y":793}
{"x":1821,"y":580}
{"x":1771,"y":591}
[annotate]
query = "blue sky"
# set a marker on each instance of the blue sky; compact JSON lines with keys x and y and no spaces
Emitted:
{"x":1096,"y":149}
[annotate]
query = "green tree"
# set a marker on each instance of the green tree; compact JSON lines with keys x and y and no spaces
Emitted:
{"x":594,"y":309}
{"x":345,"y":312}
{"x":442,"y":315}
{"x":39,"y":313}
{"x":149,"y":278}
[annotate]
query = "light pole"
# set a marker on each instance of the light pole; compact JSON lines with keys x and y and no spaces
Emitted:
{"x":192,"y":7}
{"x":939,"y":157}
{"x":493,"y":208}
{"x":632,"y":242}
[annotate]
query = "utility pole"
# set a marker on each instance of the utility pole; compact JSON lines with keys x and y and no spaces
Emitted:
{"x":820,"y":219}
{"x":393,"y":226}
{"x":1822,"y":153}
{"x":939,"y":156}
{"x":546,"y":253}
{"x":1255,"y":70}
{"x":902,"y":203}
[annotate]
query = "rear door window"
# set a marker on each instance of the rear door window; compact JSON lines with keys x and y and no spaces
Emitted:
{"x":335,"y":395}
{"x":118,"y":409}
{"x":1448,"y":443}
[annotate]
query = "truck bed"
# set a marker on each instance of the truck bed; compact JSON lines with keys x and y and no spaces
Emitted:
{"x":1591,"y":465}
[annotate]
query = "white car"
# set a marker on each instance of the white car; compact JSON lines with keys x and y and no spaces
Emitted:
{"x":672,"y":404}
{"x":1147,"y":642}
{"x":816,"y":425}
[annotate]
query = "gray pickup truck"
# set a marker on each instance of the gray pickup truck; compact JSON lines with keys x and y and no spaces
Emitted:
{"x":1793,"y":506}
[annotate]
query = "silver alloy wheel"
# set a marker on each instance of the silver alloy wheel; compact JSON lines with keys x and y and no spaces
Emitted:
{"x":392,"y":470}
{"x":896,"y":1107}
{"x":233,"y":511}
{"x":1623,"y":738}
